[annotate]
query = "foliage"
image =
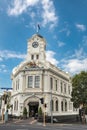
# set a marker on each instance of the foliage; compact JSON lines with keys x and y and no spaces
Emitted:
{"x":40,"y":111}
{"x":25,"y":111}
{"x":79,"y":91}
{"x":6,"y":97}
{"x":8,"y":106}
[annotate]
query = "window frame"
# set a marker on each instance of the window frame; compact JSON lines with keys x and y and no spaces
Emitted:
{"x":36,"y":81}
{"x":30,"y":82}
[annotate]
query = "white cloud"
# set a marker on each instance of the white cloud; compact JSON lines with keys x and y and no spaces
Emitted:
{"x":68,"y":32}
{"x":75,"y":65}
{"x":66,"y":29}
{"x":45,"y":11}
{"x":5,"y":54}
{"x":79,"y":53}
{"x":3,"y":68}
{"x":80,"y":27}
{"x":55,"y":37}
{"x":50,"y":57}
{"x":32,"y":15}
{"x":1,"y":58}
{"x":60,"y":44}
{"x":19,"y":6}
{"x":48,"y":13}
{"x":84,"y":41}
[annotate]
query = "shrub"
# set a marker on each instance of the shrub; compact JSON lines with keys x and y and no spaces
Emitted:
{"x":25,"y":112}
{"x":40,"y":111}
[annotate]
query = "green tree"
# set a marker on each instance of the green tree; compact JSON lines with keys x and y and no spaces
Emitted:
{"x":5,"y":98}
{"x":40,"y":111}
{"x":79,"y":91}
{"x":25,"y":112}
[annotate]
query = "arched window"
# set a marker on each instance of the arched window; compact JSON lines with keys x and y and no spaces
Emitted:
{"x":61,"y":85}
{"x":14,"y":105}
{"x":17,"y":105}
{"x":52,"y":105}
{"x":56,"y":105}
{"x":65,"y":105}
{"x":51,"y":83}
{"x":61,"y":105}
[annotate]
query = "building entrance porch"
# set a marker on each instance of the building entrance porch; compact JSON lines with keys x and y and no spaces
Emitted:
{"x":33,"y":108}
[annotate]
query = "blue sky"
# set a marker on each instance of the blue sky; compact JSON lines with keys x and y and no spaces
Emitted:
{"x":63,"y":24}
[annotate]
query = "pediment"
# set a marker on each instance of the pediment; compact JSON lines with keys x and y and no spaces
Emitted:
{"x":34,"y":65}
{"x":31,"y":65}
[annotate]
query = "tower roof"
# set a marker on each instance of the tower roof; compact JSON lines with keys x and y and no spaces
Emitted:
{"x":37,"y":35}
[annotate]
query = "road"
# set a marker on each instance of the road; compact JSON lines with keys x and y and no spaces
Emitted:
{"x":11,"y":126}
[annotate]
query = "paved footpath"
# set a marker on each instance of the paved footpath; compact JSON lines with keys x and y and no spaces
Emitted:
{"x":31,"y":124}
{"x":24,"y":125}
{"x":20,"y":121}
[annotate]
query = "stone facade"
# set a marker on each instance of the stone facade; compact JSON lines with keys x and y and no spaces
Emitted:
{"x":36,"y":79}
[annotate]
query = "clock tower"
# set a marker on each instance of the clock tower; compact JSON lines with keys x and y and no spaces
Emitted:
{"x":36,"y":49}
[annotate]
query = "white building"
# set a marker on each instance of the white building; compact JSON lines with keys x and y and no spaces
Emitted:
{"x":36,"y":78}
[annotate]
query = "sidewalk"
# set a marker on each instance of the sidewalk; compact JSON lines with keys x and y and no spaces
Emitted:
{"x":1,"y":122}
{"x":32,"y":121}
{"x":20,"y":121}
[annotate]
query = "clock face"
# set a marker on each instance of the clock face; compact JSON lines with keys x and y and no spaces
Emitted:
{"x":35,"y":44}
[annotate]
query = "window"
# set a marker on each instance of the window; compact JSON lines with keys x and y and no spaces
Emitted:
{"x":30,"y":81}
{"x":16,"y":105}
{"x":70,"y":105}
{"x":61,"y":85}
{"x":13,"y":85}
{"x":69,"y":89}
{"x":56,"y":105}
{"x":37,"y":81}
{"x":62,"y":106}
{"x":64,"y":88}
{"x":51,"y":83}
{"x":37,"y":56}
{"x":17,"y":84}
{"x":32,"y":57}
{"x":56,"y":84}
{"x":33,"y":81}
{"x":52,"y":105}
{"x":65,"y":105}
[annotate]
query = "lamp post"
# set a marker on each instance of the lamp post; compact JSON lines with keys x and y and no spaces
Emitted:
{"x":43,"y":103}
{"x":44,"y":122}
{"x":2,"y":115}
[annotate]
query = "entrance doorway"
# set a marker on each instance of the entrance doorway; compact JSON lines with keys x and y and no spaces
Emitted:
{"x":33,"y":109}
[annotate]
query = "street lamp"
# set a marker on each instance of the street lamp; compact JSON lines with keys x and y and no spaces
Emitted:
{"x":43,"y":103}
